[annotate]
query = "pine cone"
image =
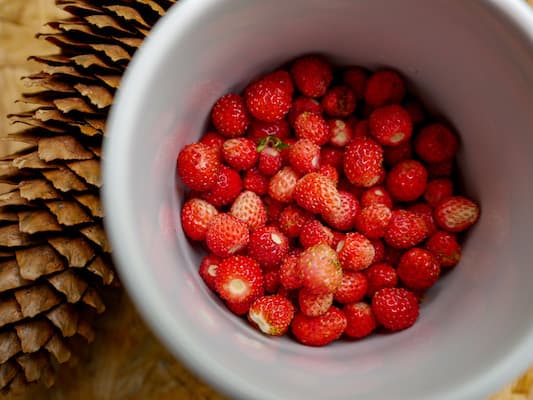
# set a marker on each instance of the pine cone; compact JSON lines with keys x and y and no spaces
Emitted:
{"x":54,"y":254}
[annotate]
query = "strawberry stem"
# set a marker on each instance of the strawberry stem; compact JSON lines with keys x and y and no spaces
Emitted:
{"x":272,"y":141}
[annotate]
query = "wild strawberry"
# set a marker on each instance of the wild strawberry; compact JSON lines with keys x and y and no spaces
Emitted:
{"x":312,"y":304}
{"x":393,"y":155}
{"x":329,"y":172}
{"x":339,"y":101}
{"x":312,"y":75}
{"x":406,"y":229}
{"x":362,"y":162}
{"x":239,"y":279}
{"x":226,"y":235}
{"x":360,"y":319}
{"x":392,"y":255}
{"x":230,"y":116}
{"x":343,"y":217}
{"x":291,"y":220}
{"x":196,"y":215}
{"x":340,"y":133}
{"x":260,"y":129}
{"x":380,"y":275}
{"x":314,"y":127}
{"x":227,"y":187}
{"x":416,"y":111}
{"x":338,"y":237}
{"x":332,"y":156}
{"x":198,"y":166}
{"x":321,"y":330}
{"x":304,"y":156}
{"x":361,"y":129}
{"x":255,"y":181}
{"x":215,"y":140}
{"x":372,"y":221}
{"x":379,"y":250}
{"x":269,"y":161}
{"x":407,"y":180}
{"x":271,"y":280}
{"x":319,"y":269}
{"x":442,"y":169}
{"x":438,"y":190}
{"x":208,"y":270}
{"x":282,"y":77}
{"x":395,"y":308}
{"x":316,"y":193}
{"x":268,"y":100}
{"x":390,"y":125}
{"x":268,"y":246}
{"x":283,"y":184}
{"x":273,"y":209}
{"x":353,"y":287}
{"x":289,"y":274}
{"x":426,"y":212}
{"x":436,"y":143}
{"x":314,"y":232}
{"x":303,"y":104}
{"x":456,"y":214}
{"x":445,"y":248}
{"x":356,"y":253}
{"x":376,"y":195}
{"x":384,"y":87}
{"x":418,"y":268}
{"x":355,"y":78}
{"x":239,"y":153}
{"x":249,"y":208}
{"x":238,"y":308}
{"x":271,"y":314}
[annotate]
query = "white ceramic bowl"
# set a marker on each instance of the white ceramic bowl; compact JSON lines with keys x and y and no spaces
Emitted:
{"x":471,"y":60}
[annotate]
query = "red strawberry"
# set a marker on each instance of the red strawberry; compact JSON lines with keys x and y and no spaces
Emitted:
{"x":260,"y":129}
{"x":379,"y":250}
{"x":418,"y":269}
{"x":340,"y":133}
{"x":436,"y":143}
{"x":271,"y":280}
{"x":269,"y":161}
{"x":321,"y":330}
{"x":282,"y":77}
{"x":312,"y":75}
{"x":380,"y":275}
{"x":304,"y":156}
{"x":372,"y":221}
{"x":426,"y":212}
{"x":361,"y":129}
{"x":355,"y":78}
{"x":406,"y":229}
{"x":314,"y":127}
{"x":255,"y":181}
{"x":312,"y":304}
{"x":456,"y":214}
{"x":239,"y":279}
{"x":392,"y":155}
{"x":227,"y":187}
{"x":196,"y":215}
{"x":360,"y":319}
{"x":316,"y":193}
{"x":249,"y":208}
{"x":395,"y":308}
{"x":292,"y":219}
{"x":390,"y":125}
{"x":353,"y":287}
{"x":289,"y":274}
{"x":314,"y":232}
{"x":407,"y":180}
{"x":416,"y":111}
{"x":271,"y":314}
{"x":392,"y":255}
{"x":376,"y":195}
{"x":283,"y":184}
{"x":230,"y":116}
{"x":273,"y":208}
{"x":339,"y":101}
{"x":356,"y":253}
{"x":238,"y":308}
{"x":384,"y":87}
{"x":332,"y":156}
{"x":303,"y":104}
{"x":329,"y":172}
{"x":198,"y":166}
{"x":438,"y":190}
{"x":319,"y":269}
{"x":362,"y":162}
{"x":268,"y":100}
{"x":208,"y":270}
{"x":239,"y":153}
{"x":226,"y":235}
{"x":338,"y":237}
{"x":268,"y":246}
{"x":445,"y":248}
{"x":442,"y":169}
{"x":343,"y":217}
{"x":213,"y":139}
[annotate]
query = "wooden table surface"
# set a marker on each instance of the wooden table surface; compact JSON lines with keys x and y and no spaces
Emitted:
{"x":125,"y":362}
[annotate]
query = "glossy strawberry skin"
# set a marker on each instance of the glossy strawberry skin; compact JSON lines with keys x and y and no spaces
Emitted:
{"x":456,"y":214}
{"x":360,"y":320}
{"x":363,"y":159}
{"x":418,"y":268}
{"x":198,"y":166}
{"x":395,"y":308}
{"x":321,"y":330}
{"x":230,"y":115}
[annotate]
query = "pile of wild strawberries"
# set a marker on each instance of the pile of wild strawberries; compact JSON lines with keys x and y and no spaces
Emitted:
{"x":325,"y":200}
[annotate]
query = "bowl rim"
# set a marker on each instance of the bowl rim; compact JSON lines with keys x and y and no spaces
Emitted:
{"x":117,"y":221}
